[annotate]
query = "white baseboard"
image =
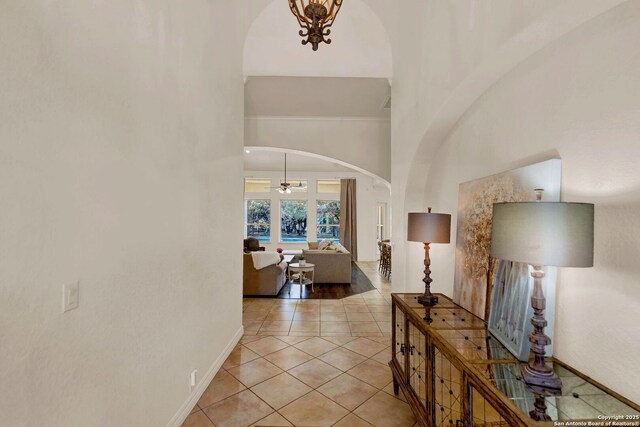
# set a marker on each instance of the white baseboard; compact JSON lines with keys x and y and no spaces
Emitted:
{"x":187,"y":406}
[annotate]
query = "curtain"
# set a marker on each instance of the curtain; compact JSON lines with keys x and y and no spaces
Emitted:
{"x":349,"y":216}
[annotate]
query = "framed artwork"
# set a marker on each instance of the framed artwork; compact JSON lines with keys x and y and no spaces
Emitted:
{"x":496,"y":290}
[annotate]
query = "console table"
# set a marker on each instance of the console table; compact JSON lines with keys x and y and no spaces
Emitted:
{"x":454,"y":373}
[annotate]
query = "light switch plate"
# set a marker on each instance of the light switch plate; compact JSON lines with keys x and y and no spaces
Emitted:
{"x":70,"y":296}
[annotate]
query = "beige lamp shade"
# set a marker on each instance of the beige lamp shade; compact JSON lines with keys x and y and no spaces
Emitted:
{"x":427,"y":227}
{"x":543,"y":233}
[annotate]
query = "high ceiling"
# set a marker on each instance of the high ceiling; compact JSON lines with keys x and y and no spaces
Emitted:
{"x":317,"y":97}
{"x":259,"y":160}
{"x":360,"y":45}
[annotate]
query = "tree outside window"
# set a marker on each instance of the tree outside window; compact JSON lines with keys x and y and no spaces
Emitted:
{"x":258,"y":219}
{"x":293,"y":222}
{"x":328,"y":219}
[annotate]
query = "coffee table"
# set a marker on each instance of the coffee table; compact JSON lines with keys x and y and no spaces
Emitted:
{"x":300,"y":270}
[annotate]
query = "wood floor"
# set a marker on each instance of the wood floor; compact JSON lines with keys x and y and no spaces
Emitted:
{"x":359,"y":283}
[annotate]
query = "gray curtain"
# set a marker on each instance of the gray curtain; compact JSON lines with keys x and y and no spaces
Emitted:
{"x":349,"y":216}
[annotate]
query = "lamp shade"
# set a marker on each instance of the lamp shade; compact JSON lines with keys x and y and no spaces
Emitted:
{"x":427,"y":227}
{"x":543,"y":233}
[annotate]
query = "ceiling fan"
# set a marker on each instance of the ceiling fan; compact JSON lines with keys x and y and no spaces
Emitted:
{"x":285,"y":186}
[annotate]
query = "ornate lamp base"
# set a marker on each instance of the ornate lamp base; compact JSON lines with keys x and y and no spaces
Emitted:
{"x":546,"y":379}
{"x":427,"y":299}
{"x":537,"y":372}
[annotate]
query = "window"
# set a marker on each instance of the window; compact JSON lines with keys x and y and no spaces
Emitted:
{"x":293,"y":220}
{"x":328,"y":219}
{"x":328,"y":186}
{"x":252,"y":185}
{"x":258,"y":219}
{"x":381,"y":213}
{"x":298,"y":186}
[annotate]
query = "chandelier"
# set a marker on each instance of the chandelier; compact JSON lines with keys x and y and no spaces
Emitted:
{"x":315,"y":17}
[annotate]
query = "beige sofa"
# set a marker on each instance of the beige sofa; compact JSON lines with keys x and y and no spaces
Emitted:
{"x":266,"y":281}
{"x":330,"y":266}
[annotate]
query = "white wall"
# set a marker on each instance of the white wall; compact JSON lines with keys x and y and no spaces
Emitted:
{"x":368,"y":194}
{"x":578,"y":100}
{"x":361,"y":142}
{"x":119,"y":121}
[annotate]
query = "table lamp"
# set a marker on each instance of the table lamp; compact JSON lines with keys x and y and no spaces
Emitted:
{"x":427,"y":228}
{"x":542,"y":234}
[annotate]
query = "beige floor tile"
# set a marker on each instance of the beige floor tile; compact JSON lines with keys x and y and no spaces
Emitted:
{"x":315,"y":346}
{"x":256,"y":307}
{"x":352,"y":421}
{"x":252,"y":326}
{"x":308,"y":308}
{"x":288,"y":358}
{"x":309,"y":302}
{"x":335,"y":327}
{"x":368,"y":334}
{"x":197,"y":419}
{"x":306,"y":316}
{"x":315,"y":372}
{"x":364,"y":327}
{"x":248,"y":338}
{"x":312,"y":328}
{"x":280,"y":315}
{"x":255,"y":372}
{"x":389,"y":390}
{"x":330,"y":302}
{"x":382,"y":317}
{"x":266,"y":346}
{"x":348,"y":391}
{"x":333,"y":317}
{"x":275,"y":326}
{"x":254,"y":315}
{"x":382,"y":340}
{"x":383,"y":357}
{"x":385,"y":327}
{"x":283,"y":308}
{"x":365,"y":346}
{"x":262,"y":333}
{"x":332,"y":308}
{"x":280,"y":390}
{"x":299,"y":334}
{"x":313,"y":409}
{"x":342,"y":358}
{"x":360,"y":317}
{"x":372,"y":372}
{"x":356,"y":308}
{"x":240,"y":410}
{"x":340,"y":340}
{"x":379,"y":308}
{"x":222,"y":386}
{"x":273,"y":420}
{"x":195,"y":409}
{"x":238,"y":356}
{"x":293,"y":340}
{"x":383,"y":410}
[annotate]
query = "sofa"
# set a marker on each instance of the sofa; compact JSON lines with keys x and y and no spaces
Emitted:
{"x":331,"y":266}
{"x":266,"y":281}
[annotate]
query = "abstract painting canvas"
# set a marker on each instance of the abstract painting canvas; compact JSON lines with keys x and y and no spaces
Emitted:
{"x":475,"y":269}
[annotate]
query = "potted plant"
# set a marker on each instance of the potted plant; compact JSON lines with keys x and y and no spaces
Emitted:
{"x":301,"y":261}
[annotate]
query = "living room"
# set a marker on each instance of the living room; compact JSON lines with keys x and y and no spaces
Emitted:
{"x":123,"y":145}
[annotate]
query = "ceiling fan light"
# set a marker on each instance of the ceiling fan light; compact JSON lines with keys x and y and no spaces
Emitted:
{"x":288,"y":191}
{"x":280,"y":190}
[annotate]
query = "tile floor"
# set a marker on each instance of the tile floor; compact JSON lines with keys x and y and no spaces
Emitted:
{"x":309,"y":363}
